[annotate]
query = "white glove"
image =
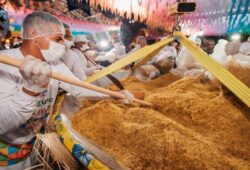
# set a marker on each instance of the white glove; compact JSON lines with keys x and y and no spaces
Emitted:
{"x":35,"y":73}
{"x":129,"y":96}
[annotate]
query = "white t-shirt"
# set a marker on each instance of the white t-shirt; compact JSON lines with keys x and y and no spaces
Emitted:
{"x":74,"y":63}
{"x":21,"y":114}
{"x":88,"y":67}
{"x":119,"y":50}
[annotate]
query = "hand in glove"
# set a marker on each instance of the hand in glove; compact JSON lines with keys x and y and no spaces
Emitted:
{"x":35,"y":74}
{"x":129,"y":97}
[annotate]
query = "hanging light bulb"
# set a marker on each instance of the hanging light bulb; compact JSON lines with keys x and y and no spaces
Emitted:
{"x":104,"y":44}
{"x":236,"y":37}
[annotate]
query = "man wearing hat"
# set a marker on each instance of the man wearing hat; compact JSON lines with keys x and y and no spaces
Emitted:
{"x":81,"y":46}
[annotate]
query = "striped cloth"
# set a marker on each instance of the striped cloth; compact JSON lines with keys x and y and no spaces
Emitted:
{"x":11,"y":154}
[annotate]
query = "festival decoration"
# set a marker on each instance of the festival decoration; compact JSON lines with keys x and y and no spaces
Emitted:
{"x":77,"y":26}
{"x":214,"y":17}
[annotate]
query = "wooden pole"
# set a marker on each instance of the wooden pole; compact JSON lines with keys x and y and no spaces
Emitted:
{"x":63,"y":78}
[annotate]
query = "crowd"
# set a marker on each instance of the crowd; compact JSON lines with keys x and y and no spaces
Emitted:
{"x":27,"y":94}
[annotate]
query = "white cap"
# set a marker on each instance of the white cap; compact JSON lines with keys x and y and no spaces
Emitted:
{"x":80,"y":38}
{"x":38,"y":24}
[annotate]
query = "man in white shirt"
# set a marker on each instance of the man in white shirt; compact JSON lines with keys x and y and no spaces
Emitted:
{"x":27,"y":96}
{"x":71,"y":58}
{"x":81,"y":46}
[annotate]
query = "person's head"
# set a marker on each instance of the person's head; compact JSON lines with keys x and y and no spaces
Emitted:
{"x":80,"y":42}
{"x":210,"y":44}
{"x":43,"y":36}
{"x":68,"y":36}
{"x":141,"y":40}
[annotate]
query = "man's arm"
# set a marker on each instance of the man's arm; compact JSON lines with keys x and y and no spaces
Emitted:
{"x":18,"y":104}
{"x":76,"y":91}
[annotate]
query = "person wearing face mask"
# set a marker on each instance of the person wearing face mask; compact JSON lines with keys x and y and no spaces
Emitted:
{"x":81,"y":46}
{"x":140,"y":43}
{"x":27,"y":95}
{"x":71,"y":58}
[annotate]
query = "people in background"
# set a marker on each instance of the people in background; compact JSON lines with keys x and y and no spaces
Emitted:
{"x":119,"y":48}
{"x":80,"y":47}
{"x":92,"y":45}
{"x":116,"y":53}
{"x":71,"y":59}
{"x":209,"y":48}
{"x":141,"y":41}
{"x":92,"y":52}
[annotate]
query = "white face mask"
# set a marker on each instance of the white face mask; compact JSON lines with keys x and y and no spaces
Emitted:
{"x":55,"y":51}
{"x":84,"y":47}
{"x":68,"y":43}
